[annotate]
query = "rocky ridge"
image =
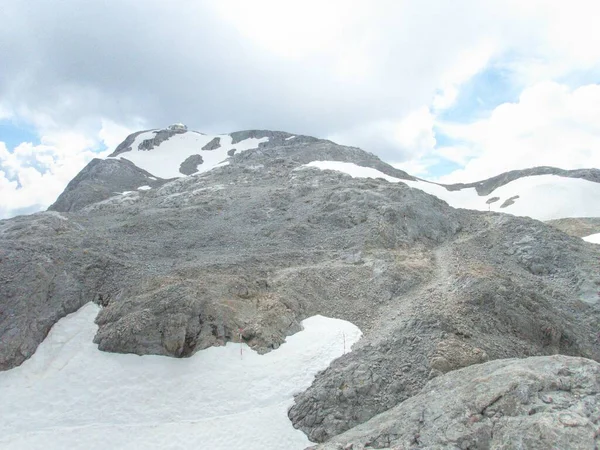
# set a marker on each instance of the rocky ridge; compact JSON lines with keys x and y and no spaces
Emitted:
{"x":486,"y":187}
{"x":580,"y":226}
{"x":249,"y":249}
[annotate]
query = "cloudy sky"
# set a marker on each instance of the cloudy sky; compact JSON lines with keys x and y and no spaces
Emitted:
{"x":448,"y":90}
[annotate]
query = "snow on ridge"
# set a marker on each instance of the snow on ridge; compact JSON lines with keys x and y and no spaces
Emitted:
{"x":542,"y":197}
{"x":71,"y":395}
{"x":144,"y":188}
{"x":164,"y":160}
{"x":593,"y":238}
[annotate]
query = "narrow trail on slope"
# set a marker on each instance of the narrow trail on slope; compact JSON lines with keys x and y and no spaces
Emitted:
{"x":431,"y":294}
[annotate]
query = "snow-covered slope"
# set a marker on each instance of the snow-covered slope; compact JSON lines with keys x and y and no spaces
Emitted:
{"x":71,"y":395}
{"x":541,"y":197}
{"x":594,"y":238}
{"x":165,"y":159}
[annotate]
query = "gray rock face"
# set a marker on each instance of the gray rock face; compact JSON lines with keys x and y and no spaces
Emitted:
{"x":161,"y":136}
{"x":577,"y":226}
{"x":247,"y":250}
{"x":49,"y":267}
{"x":148,"y":144}
{"x":504,"y":289}
{"x":125,"y":146}
{"x":509,"y":201}
{"x":213,"y":144}
{"x":488,"y":186}
{"x":534,"y":403}
{"x":101,"y":179}
{"x":275,"y":137}
{"x":190,"y":165}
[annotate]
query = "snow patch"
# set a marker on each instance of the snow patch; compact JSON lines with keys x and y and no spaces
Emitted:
{"x":71,"y":395}
{"x":541,"y":197}
{"x":164,"y":161}
{"x":144,"y":188}
{"x":289,"y":138}
{"x":593,"y":238}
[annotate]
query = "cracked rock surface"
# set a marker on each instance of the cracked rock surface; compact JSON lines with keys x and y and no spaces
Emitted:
{"x":533,"y":403}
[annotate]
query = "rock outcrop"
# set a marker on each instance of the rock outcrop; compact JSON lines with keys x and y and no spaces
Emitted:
{"x":190,"y":165}
{"x":507,"y":289}
{"x":102,"y":179}
{"x":580,"y":226}
{"x":534,"y":403}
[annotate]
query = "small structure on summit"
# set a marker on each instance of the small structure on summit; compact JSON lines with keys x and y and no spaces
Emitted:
{"x":178,"y":127}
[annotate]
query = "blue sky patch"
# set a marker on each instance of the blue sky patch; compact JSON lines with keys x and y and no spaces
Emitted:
{"x":481,"y":94}
{"x":442,"y":167}
{"x":13,"y":134}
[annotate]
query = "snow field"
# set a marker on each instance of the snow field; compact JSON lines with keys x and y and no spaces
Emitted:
{"x":164,"y":161}
{"x":71,"y":395}
{"x":541,"y":197}
{"x":593,"y":238}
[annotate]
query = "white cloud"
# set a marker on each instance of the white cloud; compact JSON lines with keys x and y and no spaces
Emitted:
{"x":552,"y":38}
{"x":550,"y":125}
{"x":358,"y":71}
{"x":294,"y":29}
{"x":415,"y":131}
{"x":468,"y":63}
{"x":33,"y":176}
{"x":5,"y":112}
{"x":112,"y":134}
{"x":411,"y":135}
{"x":417,"y":167}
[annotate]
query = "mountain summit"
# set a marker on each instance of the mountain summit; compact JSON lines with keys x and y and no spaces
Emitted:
{"x":146,"y":158}
{"x":479,"y":328}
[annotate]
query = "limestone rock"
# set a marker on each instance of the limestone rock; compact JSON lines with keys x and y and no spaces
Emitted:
{"x":534,"y":403}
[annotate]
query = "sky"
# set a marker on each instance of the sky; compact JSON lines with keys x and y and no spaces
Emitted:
{"x":448,"y":91}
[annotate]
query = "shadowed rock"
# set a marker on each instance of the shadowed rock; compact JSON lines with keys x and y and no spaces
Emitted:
{"x":213,"y":144}
{"x":102,"y":179}
{"x":509,"y":201}
{"x":190,"y":165}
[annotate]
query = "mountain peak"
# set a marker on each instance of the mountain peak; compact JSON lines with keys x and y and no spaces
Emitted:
{"x":150,"y":158}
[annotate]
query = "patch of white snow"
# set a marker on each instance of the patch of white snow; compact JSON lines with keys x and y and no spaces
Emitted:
{"x":144,"y":188}
{"x":289,"y":138}
{"x":593,"y":238}
{"x":542,"y":197}
{"x":71,"y":395}
{"x":164,"y":161}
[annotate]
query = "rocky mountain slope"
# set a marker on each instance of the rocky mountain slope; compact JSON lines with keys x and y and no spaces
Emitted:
{"x":542,"y":196}
{"x":579,"y":226}
{"x":260,"y":237}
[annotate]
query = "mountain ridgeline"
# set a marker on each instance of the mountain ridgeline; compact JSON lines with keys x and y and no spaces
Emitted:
{"x":480,"y":327}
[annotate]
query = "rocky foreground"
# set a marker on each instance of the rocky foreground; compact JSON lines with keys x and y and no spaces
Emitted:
{"x":533,"y":403}
{"x":248,"y":250}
